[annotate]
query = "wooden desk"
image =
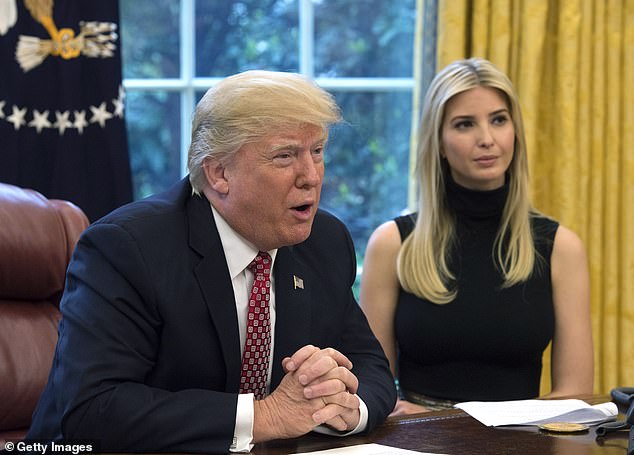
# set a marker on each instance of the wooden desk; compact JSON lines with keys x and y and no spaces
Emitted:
{"x":455,"y":432}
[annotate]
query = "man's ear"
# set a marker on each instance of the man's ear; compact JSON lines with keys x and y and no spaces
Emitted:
{"x":215,"y":173}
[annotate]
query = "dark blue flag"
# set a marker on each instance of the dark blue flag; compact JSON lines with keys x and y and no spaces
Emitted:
{"x":62,"y":129}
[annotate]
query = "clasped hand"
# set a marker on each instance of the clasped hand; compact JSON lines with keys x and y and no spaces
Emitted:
{"x":318,"y":388}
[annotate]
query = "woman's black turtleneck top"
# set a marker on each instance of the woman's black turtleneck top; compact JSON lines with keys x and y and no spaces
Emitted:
{"x":487,"y":344}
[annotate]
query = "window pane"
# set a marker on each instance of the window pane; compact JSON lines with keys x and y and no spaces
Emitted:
{"x":233,"y":36}
{"x":364,"y":38}
{"x":150,"y":38}
{"x":154,"y":135}
{"x":367,"y":161}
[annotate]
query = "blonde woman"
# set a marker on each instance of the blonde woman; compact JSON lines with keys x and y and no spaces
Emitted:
{"x":465,"y":294}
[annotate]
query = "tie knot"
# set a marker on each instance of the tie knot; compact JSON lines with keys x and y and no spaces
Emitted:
{"x":261,"y":265}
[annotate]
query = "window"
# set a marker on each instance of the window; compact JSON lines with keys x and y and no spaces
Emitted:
{"x":359,"y":50}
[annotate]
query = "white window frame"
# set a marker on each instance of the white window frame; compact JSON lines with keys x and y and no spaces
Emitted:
{"x":187,"y":84}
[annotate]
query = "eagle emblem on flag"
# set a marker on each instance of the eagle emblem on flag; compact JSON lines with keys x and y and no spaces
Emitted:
{"x":62,"y":102}
{"x":95,"y":39}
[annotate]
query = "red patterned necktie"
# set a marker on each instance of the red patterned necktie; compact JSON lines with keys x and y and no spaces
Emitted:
{"x":257,"y":346}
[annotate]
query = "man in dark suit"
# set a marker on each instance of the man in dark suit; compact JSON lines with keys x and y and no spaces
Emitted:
{"x":176,"y":336}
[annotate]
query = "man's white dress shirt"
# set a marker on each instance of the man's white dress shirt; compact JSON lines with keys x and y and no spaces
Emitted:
{"x":239,"y":253}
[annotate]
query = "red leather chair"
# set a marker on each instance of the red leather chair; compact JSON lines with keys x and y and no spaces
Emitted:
{"x":37,"y":238}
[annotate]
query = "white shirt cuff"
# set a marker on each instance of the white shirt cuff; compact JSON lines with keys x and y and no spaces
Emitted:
{"x":243,"y":430}
{"x":363,"y":423}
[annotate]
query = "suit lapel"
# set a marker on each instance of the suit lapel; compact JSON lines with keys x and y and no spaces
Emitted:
{"x":292,"y":309}
{"x":292,"y":302}
{"x":215,"y":283}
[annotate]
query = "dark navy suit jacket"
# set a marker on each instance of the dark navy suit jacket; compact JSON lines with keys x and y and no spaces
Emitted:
{"x":148,"y":357}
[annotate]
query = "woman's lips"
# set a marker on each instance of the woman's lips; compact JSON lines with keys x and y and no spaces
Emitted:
{"x":488,"y":160}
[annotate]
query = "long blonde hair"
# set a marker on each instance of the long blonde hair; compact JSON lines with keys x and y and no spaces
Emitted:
{"x":422,"y":266}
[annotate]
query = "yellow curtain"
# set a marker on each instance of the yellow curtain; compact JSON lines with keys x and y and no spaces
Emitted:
{"x":572,"y":63}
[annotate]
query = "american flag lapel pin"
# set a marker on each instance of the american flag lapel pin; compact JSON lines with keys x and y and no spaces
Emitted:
{"x":298,"y":283}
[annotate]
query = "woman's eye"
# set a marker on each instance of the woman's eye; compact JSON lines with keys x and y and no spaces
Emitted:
{"x":500,"y":119}
{"x":463,"y":124}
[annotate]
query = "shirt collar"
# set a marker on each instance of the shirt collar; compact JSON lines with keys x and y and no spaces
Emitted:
{"x":238,"y":251}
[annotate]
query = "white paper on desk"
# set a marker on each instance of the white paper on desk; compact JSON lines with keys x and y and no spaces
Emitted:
{"x":366,"y":449}
{"x":536,"y":412}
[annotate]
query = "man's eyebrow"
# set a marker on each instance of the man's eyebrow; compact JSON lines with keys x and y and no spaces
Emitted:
{"x":321,"y":141}
{"x":293,"y":145}
{"x":286,"y":146}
